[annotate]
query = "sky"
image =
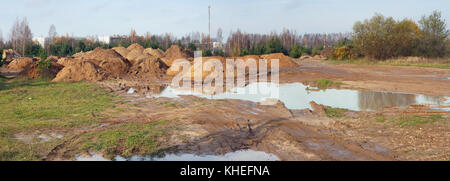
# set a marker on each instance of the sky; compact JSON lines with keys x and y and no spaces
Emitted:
{"x":180,"y":17}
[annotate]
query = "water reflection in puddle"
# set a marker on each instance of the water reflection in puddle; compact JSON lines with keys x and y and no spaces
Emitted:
{"x":242,"y":155}
{"x":298,"y":96}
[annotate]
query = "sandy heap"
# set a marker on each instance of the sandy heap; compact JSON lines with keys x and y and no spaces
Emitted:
{"x":284,"y":61}
{"x":154,"y":52}
{"x":174,"y":53}
{"x":66,"y":61}
{"x":32,"y":70}
{"x":121,"y":50}
{"x":109,"y":60}
{"x":10,"y":54}
{"x":135,"y":53}
{"x":82,"y":71}
{"x":149,"y":66}
{"x":19,"y":64}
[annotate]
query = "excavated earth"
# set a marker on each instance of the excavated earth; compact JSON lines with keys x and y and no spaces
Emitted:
{"x":206,"y":126}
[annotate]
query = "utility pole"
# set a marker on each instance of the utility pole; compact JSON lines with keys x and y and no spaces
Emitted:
{"x":209,"y":26}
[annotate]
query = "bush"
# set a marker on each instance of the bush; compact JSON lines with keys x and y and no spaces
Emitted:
{"x":383,"y":37}
{"x":207,"y":53}
{"x":43,"y":66}
{"x":343,"y":53}
{"x":219,"y":52}
{"x":316,"y":50}
{"x":434,"y":40}
{"x":191,"y":46}
{"x":296,"y":51}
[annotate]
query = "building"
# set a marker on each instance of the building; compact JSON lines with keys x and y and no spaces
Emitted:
{"x":40,"y":40}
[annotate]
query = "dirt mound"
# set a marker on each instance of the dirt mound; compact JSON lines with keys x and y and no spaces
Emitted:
{"x":284,"y":61}
{"x":79,"y":55}
{"x":154,"y":52}
{"x":195,"y":69}
{"x":149,"y":66}
{"x":121,"y":50}
{"x":33,"y":71}
{"x":109,"y":60}
{"x":19,"y":64}
{"x":65,"y":61}
{"x":53,"y":58}
{"x":82,"y":71}
{"x":174,"y":53}
{"x":135,"y":47}
{"x":10,"y":54}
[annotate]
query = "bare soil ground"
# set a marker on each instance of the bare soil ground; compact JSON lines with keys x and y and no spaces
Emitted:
{"x":429,"y":81}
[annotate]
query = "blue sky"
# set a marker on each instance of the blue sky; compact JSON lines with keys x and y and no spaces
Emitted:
{"x":106,"y":17}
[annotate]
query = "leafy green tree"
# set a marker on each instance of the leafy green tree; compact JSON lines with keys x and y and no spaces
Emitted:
{"x":191,"y":46}
{"x":433,"y":42}
{"x":374,"y":38}
{"x":274,"y":46}
{"x":207,"y":53}
{"x":219,"y":52}
{"x":296,"y":51}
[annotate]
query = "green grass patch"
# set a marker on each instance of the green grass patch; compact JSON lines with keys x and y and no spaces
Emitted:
{"x":30,"y":105}
{"x":126,"y":140}
{"x":334,"y":112}
{"x":416,"y":120}
{"x":324,"y":83}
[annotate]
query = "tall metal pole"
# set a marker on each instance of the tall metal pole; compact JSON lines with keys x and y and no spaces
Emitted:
{"x":209,"y":26}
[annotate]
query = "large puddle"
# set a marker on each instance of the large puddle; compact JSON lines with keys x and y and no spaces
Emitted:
{"x":242,"y":155}
{"x":298,"y":96}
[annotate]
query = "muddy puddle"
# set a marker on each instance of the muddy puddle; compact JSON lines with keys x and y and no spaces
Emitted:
{"x":298,"y":96}
{"x":242,"y":155}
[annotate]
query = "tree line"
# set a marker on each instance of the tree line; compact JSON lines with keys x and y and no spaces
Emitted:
{"x":377,"y":38}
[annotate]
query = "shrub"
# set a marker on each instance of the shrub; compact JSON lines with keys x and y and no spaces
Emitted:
{"x":342,"y":53}
{"x":296,"y":51}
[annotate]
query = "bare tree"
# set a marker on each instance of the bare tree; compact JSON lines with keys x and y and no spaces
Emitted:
{"x":219,"y":36}
{"x":52,"y":33}
{"x":20,"y":35}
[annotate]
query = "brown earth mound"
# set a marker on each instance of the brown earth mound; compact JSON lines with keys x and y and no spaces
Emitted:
{"x":109,"y":60}
{"x":10,"y":54}
{"x":82,"y":71}
{"x":79,"y":55}
{"x":174,"y":53}
{"x":154,"y":52}
{"x":65,"y":61}
{"x":53,"y":58}
{"x":121,"y":50}
{"x":195,"y":69}
{"x":284,"y":61}
{"x":135,"y":46}
{"x":19,"y":64}
{"x":149,"y":66}
{"x":32,"y":70}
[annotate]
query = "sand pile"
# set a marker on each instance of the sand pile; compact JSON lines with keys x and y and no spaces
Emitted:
{"x":149,"y":66}
{"x":135,"y":53}
{"x":9,"y":54}
{"x":284,"y":61}
{"x":65,"y":61}
{"x":79,"y":55}
{"x":154,"y":52}
{"x":19,"y":64}
{"x":121,"y":50}
{"x":53,"y":58}
{"x":109,"y":60}
{"x":174,"y":53}
{"x":32,"y":70}
{"x":196,"y":68}
{"x":82,"y":71}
